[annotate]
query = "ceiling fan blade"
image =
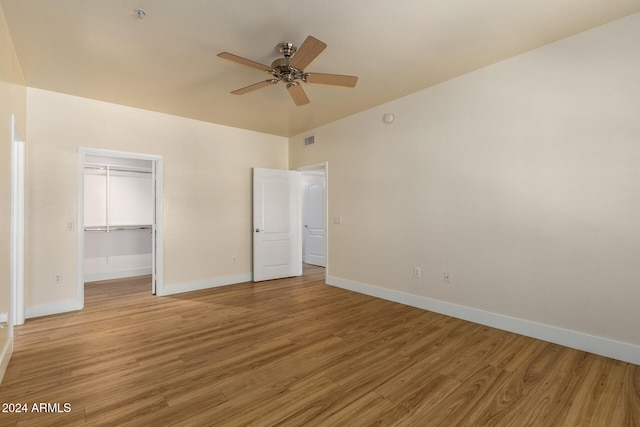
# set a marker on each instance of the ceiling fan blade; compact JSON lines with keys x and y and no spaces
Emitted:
{"x":244,"y":61}
{"x":297,"y":94}
{"x":307,"y":52}
{"x":254,"y":86}
{"x":331,"y":79}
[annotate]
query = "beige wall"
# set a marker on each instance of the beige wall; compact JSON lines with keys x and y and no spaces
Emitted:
{"x":207,"y":188}
{"x":521,"y":180}
{"x":12,"y":101}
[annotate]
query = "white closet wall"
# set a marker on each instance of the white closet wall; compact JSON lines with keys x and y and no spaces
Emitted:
{"x":118,"y":218}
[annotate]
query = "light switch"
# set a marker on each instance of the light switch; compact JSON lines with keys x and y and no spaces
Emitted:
{"x":337,"y":220}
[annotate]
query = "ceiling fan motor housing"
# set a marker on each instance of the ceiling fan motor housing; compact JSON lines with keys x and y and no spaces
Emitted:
{"x":282,"y":70}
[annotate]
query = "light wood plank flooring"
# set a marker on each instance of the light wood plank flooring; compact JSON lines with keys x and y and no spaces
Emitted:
{"x":298,"y":352}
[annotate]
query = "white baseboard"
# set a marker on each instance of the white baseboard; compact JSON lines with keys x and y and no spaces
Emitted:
{"x":108,"y":275}
{"x":5,"y":356}
{"x":54,"y":308}
{"x":178,"y":288}
{"x":580,"y":341}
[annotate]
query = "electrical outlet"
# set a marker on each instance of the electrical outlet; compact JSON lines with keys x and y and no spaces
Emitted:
{"x":57,"y":278}
{"x":417,"y":272}
{"x":233,"y":259}
{"x":447,"y":277}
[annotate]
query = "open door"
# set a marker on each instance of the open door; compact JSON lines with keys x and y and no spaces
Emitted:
{"x":277,"y":240}
{"x":315,"y":233}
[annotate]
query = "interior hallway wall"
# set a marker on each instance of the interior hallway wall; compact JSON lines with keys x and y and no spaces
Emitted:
{"x":520,"y":180}
{"x":207,"y":191}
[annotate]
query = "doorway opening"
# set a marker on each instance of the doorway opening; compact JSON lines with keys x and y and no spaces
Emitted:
{"x":119,"y":230}
{"x":314,"y":214}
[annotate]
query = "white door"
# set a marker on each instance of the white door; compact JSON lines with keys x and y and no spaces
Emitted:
{"x":277,"y":240}
{"x":315,"y":232}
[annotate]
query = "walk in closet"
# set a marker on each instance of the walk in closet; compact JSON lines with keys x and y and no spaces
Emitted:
{"x":118,"y":217}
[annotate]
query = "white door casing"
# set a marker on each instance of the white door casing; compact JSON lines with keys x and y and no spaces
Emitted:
{"x":17,"y":310}
{"x":277,"y":239}
{"x":314,"y":221}
{"x":154,"y":274}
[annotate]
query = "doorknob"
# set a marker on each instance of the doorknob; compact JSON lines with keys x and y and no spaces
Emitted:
{"x":306,"y":226}
{"x":257,"y":230}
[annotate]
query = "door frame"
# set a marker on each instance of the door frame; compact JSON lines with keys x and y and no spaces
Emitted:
{"x":315,"y":167}
{"x":18,"y":174}
{"x":158,"y":261}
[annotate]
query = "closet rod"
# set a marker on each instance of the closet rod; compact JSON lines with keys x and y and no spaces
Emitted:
{"x":112,"y":168}
{"x":119,"y":227}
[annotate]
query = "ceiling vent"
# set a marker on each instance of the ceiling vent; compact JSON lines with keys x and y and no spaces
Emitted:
{"x":309,"y":140}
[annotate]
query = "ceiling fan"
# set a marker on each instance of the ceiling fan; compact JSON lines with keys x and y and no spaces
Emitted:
{"x":290,"y":70}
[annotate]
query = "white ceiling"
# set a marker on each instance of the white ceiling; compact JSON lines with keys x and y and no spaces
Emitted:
{"x":167,"y":61}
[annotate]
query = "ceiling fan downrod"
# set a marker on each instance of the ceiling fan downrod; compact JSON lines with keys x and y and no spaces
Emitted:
{"x":287,"y":49}
{"x":281,"y":67}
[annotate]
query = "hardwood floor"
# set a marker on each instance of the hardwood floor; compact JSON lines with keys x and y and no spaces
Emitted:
{"x":298,"y":352}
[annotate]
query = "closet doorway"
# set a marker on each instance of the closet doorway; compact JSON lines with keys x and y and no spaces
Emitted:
{"x":119,"y":217}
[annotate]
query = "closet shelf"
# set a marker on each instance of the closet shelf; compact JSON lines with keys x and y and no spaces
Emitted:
{"x":119,"y":227}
